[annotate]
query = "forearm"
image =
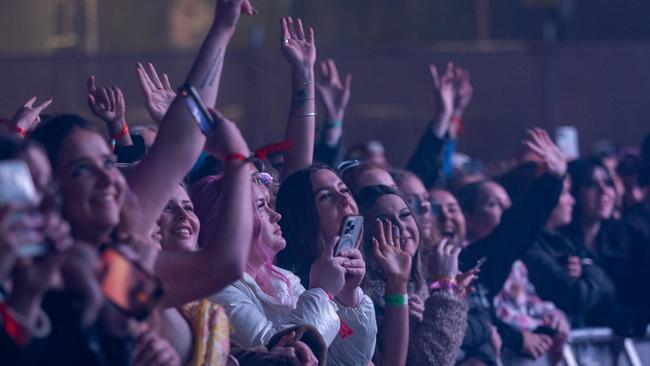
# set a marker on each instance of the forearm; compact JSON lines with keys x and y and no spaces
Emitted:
{"x":175,"y":150}
{"x":205,"y":74}
{"x":395,"y":338}
{"x":441,"y":123}
{"x":302,"y":121}
{"x":230,"y":239}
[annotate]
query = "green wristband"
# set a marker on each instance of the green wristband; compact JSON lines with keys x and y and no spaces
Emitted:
{"x":396,"y":300}
{"x":333,"y":124}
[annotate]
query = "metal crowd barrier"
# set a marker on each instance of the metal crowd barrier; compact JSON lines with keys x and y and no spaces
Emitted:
{"x":595,"y":347}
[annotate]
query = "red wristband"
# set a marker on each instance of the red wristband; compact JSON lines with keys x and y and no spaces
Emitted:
{"x":11,"y":326}
{"x":236,"y":157}
{"x":121,"y":133}
{"x":20,"y":131}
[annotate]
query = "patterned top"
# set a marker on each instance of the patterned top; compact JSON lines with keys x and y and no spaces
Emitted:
{"x":211,"y":333}
{"x":517,"y":303}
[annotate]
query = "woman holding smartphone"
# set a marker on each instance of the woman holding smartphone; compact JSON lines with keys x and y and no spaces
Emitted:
{"x":313,"y":203}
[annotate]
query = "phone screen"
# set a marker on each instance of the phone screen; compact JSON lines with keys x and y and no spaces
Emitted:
{"x":197,"y":109}
{"x":127,"y":285}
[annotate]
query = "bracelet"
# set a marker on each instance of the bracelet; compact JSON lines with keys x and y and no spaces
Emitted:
{"x":333,"y":124}
{"x":20,"y":131}
{"x":396,"y":300}
{"x":312,"y":114}
{"x":121,"y":133}
{"x":444,"y":283}
{"x":237,"y":157}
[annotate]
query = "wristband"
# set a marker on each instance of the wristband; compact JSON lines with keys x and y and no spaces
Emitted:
{"x":121,"y":133}
{"x":20,"y":131}
{"x":396,"y":300}
{"x":333,"y":124}
{"x":445,"y":283}
{"x":12,"y":327}
{"x":237,"y":157}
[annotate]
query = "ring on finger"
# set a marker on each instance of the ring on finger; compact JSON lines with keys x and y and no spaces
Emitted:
{"x":285,"y":41}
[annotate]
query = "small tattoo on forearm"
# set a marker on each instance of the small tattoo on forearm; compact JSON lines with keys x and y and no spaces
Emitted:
{"x":300,"y":98}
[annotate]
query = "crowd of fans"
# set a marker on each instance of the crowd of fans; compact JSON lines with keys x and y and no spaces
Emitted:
{"x":175,"y":244}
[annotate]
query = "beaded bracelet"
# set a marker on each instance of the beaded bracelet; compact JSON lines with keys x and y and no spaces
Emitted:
{"x":333,"y":124}
{"x":396,"y":300}
{"x":20,"y":131}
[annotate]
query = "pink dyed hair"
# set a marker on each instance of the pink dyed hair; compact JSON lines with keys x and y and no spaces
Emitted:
{"x":204,"y":195}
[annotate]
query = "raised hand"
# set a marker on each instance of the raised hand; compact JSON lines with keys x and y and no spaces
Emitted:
{"x":540,"y":143}
{"x":327,"y":272}
{"x":157,"y":91}
{"x":27,"y":117}
{"x":107,"y":104}
{"x":226,"y":138}
{"x":229,"y":11}
{"x":443,"y":262}
{"x":464,"y":91}
{"x":355,"y":270}
{"x":297,"y":46}
{"x":443,"y":87}
{"x":391,"y":253}
{"x":335,"y":95}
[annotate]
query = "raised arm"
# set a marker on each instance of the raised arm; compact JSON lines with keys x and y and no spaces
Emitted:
{"x":27,"y":117}
{"x":299,"y":50}
{"x":179,"y":140}
{"x":395,"y":262}
{"x":522,"y":224}
{"x":194,"y":275}
{"x":335,"y":96}
{"x":426,"y":160}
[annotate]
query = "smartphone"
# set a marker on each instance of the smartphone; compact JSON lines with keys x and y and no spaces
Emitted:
{"x":196,"y":107}
{"x":479,"y":263}
{"x":349,"y":232}
{"x":566,"y":139}
{"x":17,"y":187}
{"x":127,"y":285}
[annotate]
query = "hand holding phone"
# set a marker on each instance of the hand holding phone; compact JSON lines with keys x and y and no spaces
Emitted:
{"x":127,"y":285}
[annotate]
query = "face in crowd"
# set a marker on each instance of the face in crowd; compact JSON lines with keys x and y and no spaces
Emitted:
{"x":449,"y":221}
{"x":91,"y":186}
{"x":179,"y":225}
{"x":333,"y":201}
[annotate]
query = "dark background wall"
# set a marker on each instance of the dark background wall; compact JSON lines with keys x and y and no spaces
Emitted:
{"x":542,"y":62}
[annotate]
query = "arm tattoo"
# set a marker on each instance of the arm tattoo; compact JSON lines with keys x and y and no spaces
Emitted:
{"x":300,"y":98}
{"x":215,"y":65}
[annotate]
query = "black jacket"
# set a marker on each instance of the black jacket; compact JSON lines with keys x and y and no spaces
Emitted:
{"x":579,"y":298}
{"x":68,"y":344}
